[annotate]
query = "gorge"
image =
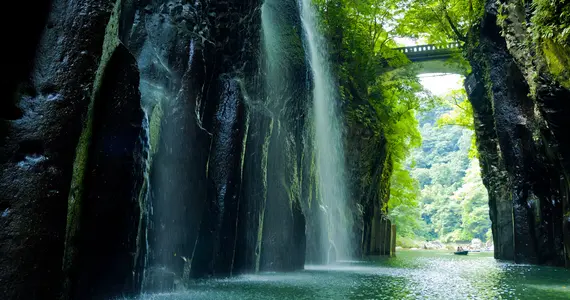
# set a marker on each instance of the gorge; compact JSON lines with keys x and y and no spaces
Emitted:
{"x":148,"y":143}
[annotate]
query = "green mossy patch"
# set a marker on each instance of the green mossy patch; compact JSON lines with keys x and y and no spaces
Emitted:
{"x":558,"y":61}
{"x":77,"y":191}
{"x":294,"y":46}
{"x":154,"y":127}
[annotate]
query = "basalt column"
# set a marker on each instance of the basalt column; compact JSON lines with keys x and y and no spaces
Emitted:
{"x":287,"y":102}
{"x":518,"y":110}
{"x":493,"y":170}
{"x":54,"y":133}
{"x":509,"y":102}
{"x":237,"y":33}
{"x":174,"y":67}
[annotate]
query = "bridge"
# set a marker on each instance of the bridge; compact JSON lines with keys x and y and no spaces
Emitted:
{"x":434,"y":58}
{"x":430,"y":52}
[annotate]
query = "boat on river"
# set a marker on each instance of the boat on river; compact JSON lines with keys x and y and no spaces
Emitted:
{"x":461,"y":252}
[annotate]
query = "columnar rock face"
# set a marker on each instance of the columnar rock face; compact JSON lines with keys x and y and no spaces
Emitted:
{"x":44,"y":144}
{"x":370,"y":170}
{"x":519,"y":104}
{"x":144,"y":146}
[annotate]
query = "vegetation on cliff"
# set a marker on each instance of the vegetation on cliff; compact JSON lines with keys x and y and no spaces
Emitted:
{"x":382,"y":93}
{"x":381,"y":96}
{"x":452,"y":198}
{"x":439,"y":21}
{"x":518,"y":52}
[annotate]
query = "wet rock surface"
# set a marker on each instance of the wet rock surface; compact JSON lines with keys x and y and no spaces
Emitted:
{"x":370,"y":171}
{"x":517,"y":106}
{"x":166,"y":163}
{"x":144,"y":145}
{"x":38,"y":146}
{"x":109,"y":216}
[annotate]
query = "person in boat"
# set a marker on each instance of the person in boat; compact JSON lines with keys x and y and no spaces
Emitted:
{"x":459,"y":249}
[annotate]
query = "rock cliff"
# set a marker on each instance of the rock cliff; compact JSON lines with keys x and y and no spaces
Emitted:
{"x":520,"y":95}
{"x":151,"y":141}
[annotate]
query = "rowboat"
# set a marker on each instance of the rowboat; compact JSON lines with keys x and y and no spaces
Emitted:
{"x":461,"y":252}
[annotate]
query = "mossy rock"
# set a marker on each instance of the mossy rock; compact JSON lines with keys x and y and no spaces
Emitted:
{"x":558,"y":61}
{"x":155,"y":122}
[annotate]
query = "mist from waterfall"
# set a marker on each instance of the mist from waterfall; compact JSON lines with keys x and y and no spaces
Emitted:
{"x":330,"y":153}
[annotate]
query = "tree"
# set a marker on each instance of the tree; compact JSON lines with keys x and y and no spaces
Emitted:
{"x":382,"y":93}
{"x":376,"y":96}
{"x":403,"y":205}
{"x":440,"y":21}
{"x":452,"y":198}
{"x":474,"y":202}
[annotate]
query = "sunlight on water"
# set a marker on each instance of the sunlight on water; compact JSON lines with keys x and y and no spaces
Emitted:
{"x":411,"y":275}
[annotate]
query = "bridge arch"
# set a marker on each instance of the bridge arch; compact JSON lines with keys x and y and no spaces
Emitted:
{"x":434,"y":58}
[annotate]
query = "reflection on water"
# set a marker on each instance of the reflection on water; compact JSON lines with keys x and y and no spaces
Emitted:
{"x":411,"y":275}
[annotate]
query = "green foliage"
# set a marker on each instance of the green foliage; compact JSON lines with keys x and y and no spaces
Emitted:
{"x":407,"y":242}
{"x":461,"y":114}
{"x":453,"y":200}
{"x":557,"y":60}
{"x":548,"y":35}
{"x":473,"y":197}
{"x":382,"y":94}
{"x":439,"y":21}
{"x":381,"y":90}
{"x":551,"y":34}
{"x":362,"y":43}
{"x":551,"y":20}
{"x":403,"y":205}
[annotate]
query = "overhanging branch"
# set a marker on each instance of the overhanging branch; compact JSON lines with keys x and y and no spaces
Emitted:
{"x":460,"y":36}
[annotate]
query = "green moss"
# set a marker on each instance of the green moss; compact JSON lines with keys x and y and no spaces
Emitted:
{"x":558,"y":61}
{"x":551,"y":20}
{"x":384,"y":193}
{"x":81,"y":161}
{"x":294,"y":45}
{"x":265,"y":150}
{"x":154,"y":127}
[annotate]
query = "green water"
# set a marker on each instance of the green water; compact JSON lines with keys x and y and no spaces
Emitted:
{"x":411,"y":275}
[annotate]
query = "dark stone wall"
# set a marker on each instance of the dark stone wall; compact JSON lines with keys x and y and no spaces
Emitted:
{"x":369,"y":166}
{"x":494,"y":173}
{"x":105,"y":239}
{"x":39,"y":143}
{"x":517,"y":108}
{"x":144,"y":147}
{"x":289,"y":148}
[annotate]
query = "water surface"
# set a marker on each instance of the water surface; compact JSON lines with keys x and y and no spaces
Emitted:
{"x":411,"y":275}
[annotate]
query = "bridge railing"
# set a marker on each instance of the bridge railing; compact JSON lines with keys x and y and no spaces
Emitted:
{"x":429,"y":48}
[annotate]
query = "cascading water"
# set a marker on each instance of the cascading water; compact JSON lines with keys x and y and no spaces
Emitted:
{"x":281,"y":124}
{"x":330,"y":153}
{"x":141,"y":258}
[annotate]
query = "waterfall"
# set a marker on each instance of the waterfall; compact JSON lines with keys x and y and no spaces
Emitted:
{"x":141,"y":258}
{"x":330,"y":153}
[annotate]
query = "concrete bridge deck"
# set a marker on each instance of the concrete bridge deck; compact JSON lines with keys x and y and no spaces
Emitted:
{"x":434,"y":58}
{"x":422,"y":53}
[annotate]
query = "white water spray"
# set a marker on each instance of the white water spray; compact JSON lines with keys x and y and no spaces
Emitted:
{"x":330,"y":153}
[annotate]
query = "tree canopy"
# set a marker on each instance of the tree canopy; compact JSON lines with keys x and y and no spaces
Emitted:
{"x":439,"y":21}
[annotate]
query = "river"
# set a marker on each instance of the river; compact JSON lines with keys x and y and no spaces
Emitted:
{"x":410,"y":275}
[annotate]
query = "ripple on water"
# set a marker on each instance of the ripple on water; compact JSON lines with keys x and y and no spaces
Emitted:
{"x":417,"y":275}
